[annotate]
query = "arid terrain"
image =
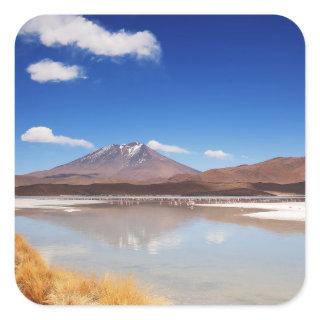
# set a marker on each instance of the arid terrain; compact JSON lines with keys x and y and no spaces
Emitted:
{"x":136,"y":169}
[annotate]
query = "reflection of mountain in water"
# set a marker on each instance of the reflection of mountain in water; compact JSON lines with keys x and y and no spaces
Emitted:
{"x":134,"y":227}
{"x":152,"y":227}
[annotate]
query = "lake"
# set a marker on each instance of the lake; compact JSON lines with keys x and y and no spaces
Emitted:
{"x":200,"y":256}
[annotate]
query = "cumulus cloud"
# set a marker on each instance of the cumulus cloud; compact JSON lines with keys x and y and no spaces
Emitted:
{"x":48,"y":70}
{"x":218,"y":154}
{"x":45,"y":135}
{"x":155,"y":145}
{"x":85,"y":34}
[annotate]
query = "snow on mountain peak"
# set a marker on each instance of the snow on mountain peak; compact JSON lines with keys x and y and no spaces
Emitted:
{"x":109,"y":152}
{"x":132,"y":150}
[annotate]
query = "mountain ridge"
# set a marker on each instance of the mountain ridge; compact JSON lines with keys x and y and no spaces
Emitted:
{"x":281,"y":170}
{"x":135,"y":168}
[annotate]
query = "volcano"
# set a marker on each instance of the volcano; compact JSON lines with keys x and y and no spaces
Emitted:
{"x":132,"y":163}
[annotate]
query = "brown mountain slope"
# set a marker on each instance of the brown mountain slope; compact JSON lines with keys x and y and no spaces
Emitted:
{"x":282,"y":170}
{"x":278,"y":170}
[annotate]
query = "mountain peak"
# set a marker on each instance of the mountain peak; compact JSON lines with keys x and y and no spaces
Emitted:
{"x":112,"y":152}
{"x":133,"y":143}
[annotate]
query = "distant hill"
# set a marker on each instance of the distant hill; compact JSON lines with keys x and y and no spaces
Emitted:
{"x":281,"y":170}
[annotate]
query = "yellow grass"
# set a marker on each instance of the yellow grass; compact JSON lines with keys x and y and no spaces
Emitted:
{"x":44,"y":284}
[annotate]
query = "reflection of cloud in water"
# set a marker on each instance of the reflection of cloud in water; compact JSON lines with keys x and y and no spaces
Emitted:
{"x":133,"y":242}
{"x":153,"y":246}
{"x":50,"y":253}
{"x":164,"y":242}
{"x":216,"y":237}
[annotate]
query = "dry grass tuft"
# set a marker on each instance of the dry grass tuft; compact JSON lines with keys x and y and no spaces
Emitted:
{"x":46,"y":285}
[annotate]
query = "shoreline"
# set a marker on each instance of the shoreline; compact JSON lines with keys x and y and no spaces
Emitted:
{"x":275,"y":210}
{"x":48,"y":285}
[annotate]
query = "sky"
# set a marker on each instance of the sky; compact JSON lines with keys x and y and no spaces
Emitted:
{"x":207,"y":91}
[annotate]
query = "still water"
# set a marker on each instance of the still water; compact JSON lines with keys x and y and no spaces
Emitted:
{"x":200,"y":256}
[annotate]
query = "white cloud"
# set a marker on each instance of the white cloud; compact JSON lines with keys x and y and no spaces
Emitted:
{"x":78,"y":31}
{"x":218,"y":154}
{"x":45,"y":135}
{"x":155,"y":145}
{"x":48,"y":70}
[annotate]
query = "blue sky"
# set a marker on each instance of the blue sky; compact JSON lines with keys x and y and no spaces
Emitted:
{"x":232,"y":85}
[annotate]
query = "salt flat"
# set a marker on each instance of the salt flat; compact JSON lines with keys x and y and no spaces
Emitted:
{"x":294,"y":211}
{"x":62,"y":204}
